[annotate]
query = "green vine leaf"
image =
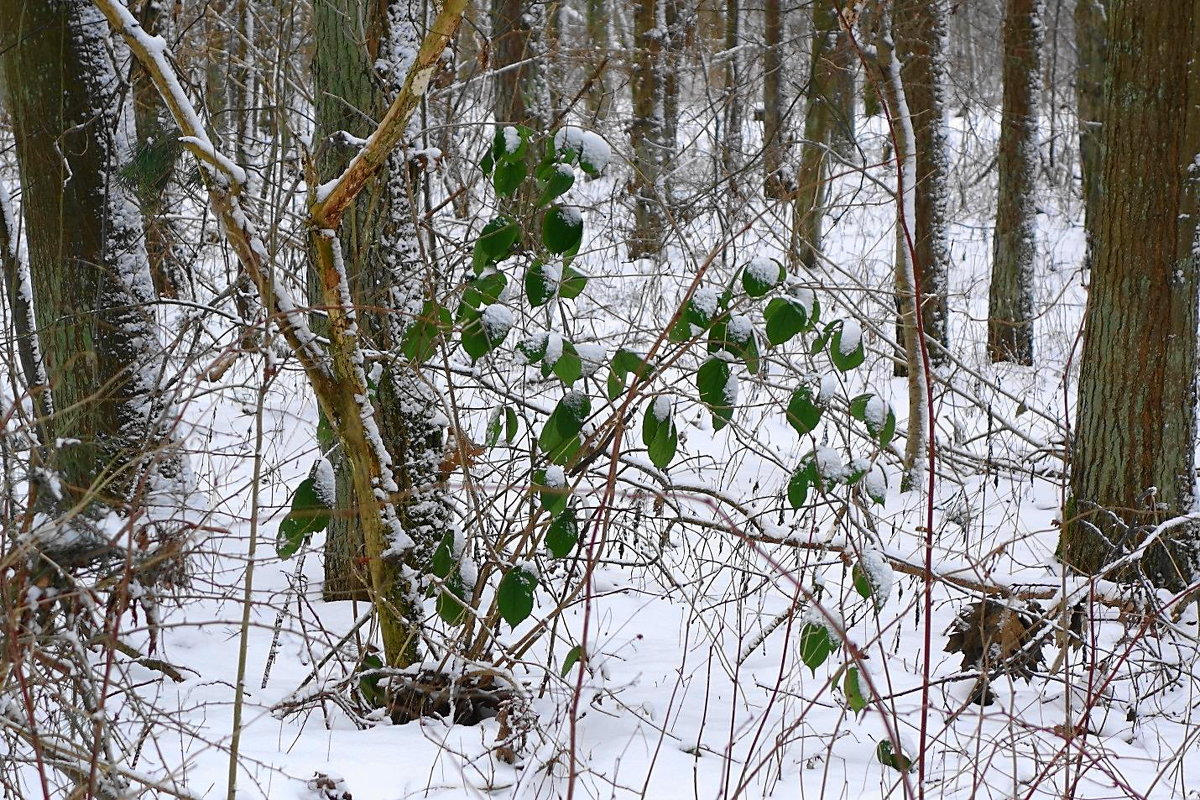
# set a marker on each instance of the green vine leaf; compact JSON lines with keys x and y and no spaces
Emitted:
{"x":559,"y":439}
{"x":659,"y":433}
{"x":803,"y":413}
{"x":563,"y":534}
{"x":562,"y":230}
{"x":815,"y":645}
{"x":309,"y":513}
{"x":852,"y":688}
{"x":514,"y":595}
{"x":718,"y":390}
{"x":762,"y":275}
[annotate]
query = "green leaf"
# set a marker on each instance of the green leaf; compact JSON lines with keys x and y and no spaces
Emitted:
{"x":785,"y":318}
{"x":421,"y":339}
{"x":483,"y":290}
{"x":539,"y":288}
{"x":510,"y":143}
{"x":855,"y":695}
{"x":508,"y":176}
{"x":368,"y":684}
{"x":451,"y":600}
{"x":802,"y":413}
{"x":626,"y":362}
{"x":559,"y":439}
{"x":558,"y":179}
{"x":804,"y":478}
{"x":514,"y":595}
{"x":815,"y":645}
{"x":492,"y":434}
{"x":735,"y":335}
{"x":563,"y":534}
{"x":510,"y":425}
{"x":844,"y":361}
{"x":445,"y":557}
{"x":309,"y":514}
{"x":572,"y":283}
{"x":553,"y":498}
{"x":562,"y":229}
{"x":574,"y":656}
{"x":495,"y":243}
{"x":569,"y":366}
{"x":881,"y":430}
{"x":713,"y":379}
{"x":486,"y":332}
{"x":761,"y":276}
{"x":862,"y":581}
{"x":889,"y":756}
{"x":534,"y":348}
{"x":659,"y":433}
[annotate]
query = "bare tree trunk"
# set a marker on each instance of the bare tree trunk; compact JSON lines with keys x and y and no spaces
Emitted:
{"x":812,"y":177}
{"x":919,"y":27}
{"x":647,"y":136}
{"x":1091,"y":30}
{"x":91,"y":282}
{"x":733,"y":149}
{"x":1010,"y":304}
{"x":1133,"y":460}
{"x":778,"y":182}
{"x":520,"y":93}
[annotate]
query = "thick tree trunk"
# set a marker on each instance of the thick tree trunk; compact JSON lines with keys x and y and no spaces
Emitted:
{"x":1132,"y":464}
{"x":1010,"y":304}
{"x":1091,"y":30}
{"x":91,"y":283}
{"x":520,"y":93}
{"x":920,"y":37}
{"x":733,"y":148}
{"x":387,"y":270}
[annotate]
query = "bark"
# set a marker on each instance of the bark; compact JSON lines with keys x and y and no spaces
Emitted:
{"x":18,"y":291}
{"x":1091,"y":24}
{"x":647,"y":135}
{"x":777,"y":180}
{"x":520,"y":93}
{"x":155,"y":156}
{"x":599,"y":96}
{"x":813,"y":174}
{"x":920,"y":37}
{"x":91,"y":283}
{"x":733,"y":149}
{"x":1132,"y":464}
{"x":1010,"y":304}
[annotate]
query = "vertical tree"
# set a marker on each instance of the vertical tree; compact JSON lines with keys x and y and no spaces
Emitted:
{"x":920,"y":37}
{"x":520,"y":94}
{"x":91,"y":282}
{"x":1010,"y":304}
{"x":778,"y":183}
{"x":819,"y":113}
{"x":387,"y":272}
{"x":1091,"y":24}
{"x":647,"y":134}
{"x":732,"y":145}
{"x":1132,"y":463}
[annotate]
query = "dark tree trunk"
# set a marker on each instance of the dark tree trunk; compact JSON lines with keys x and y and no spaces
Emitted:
{"x":647,"y":135}
{"x":920,"y":37}
{"x":1010,"y":304}
{"x":1132,"y":464}
{"x":1091,"y":30}
{"x":91,"y":283}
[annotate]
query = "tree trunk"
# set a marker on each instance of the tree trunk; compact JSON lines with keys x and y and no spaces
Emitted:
{"x":1091,"y":30}
{"x":155,"y":157}
{"x":1010,"y":304}
{"x":1132,"y":465}
{"x":733,"y":149}
{"x":599,"y":96}
{"x":920,"y":39}
{"x":778,"y":182}
{"x":520,"y":93}
{"x":387,"y":270}
{"x":812,"y":176}
{"x":646,"y":135}
{"x":91,"y":282}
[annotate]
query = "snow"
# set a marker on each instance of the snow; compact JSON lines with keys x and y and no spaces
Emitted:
{"x":591,"y":146}
{"x":851,"y":337}
{"x":706,"y":299}
{"x":876,"y":412}
{"x":661,"y":408}
{"x":497,"y":321}
{"x":512,"y":139}
{"x":591,"y":357}
{"x":764,"y":270}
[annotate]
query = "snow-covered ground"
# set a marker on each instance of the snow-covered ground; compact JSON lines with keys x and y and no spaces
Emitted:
{"x":707,"y":586}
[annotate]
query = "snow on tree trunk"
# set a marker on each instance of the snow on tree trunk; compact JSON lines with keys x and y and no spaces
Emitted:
{"x":91,"y":282}
{"x":1010,"y":303}
{"x":1132,"y":465}
{"x":521,"y":95}
{"x":733,"y":148}
{"x":777,"y":178}
{"x":920,"y":38}
{"x":647,"y":134}
{"x":18,"y":291}
{"x":895,"y":98}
